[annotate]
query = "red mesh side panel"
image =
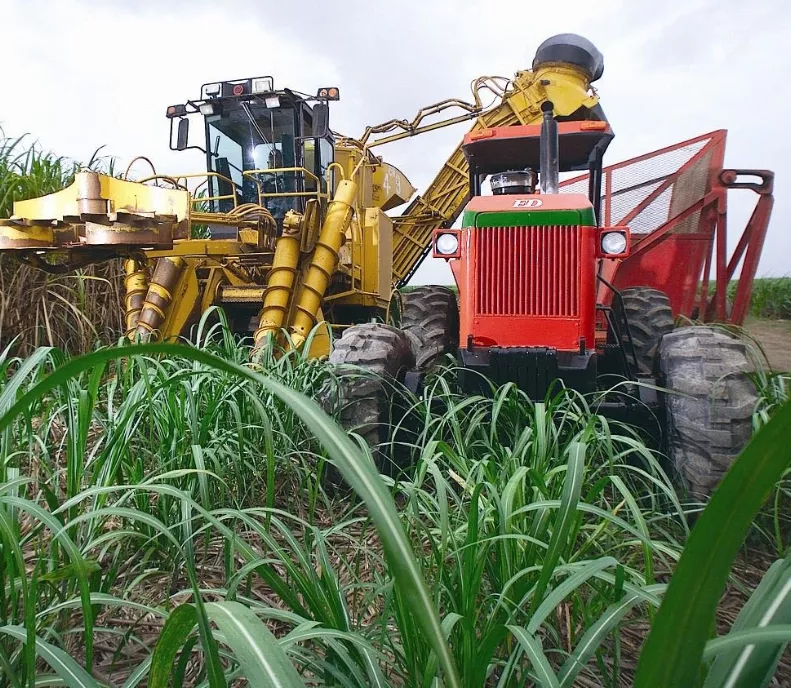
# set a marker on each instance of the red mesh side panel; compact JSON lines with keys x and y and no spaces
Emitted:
{"x":527,"y":271}
{"x":648,"y":191}
{"x":668,"y":199}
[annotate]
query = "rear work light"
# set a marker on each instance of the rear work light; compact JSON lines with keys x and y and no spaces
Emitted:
{"x":263,"y":84}
{"x":207,"y":109}
{"x":211,"y":90}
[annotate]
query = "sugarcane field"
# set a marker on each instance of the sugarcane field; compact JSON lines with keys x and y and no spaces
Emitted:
{"x":438,"y":355}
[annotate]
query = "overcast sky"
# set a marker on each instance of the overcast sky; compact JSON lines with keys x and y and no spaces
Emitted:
{"x":78,"y":75}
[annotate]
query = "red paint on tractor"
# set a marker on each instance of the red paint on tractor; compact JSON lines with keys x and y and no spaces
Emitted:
{"x":527,"y":286}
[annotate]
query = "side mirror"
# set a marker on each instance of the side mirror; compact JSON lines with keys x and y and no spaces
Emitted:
{"x":321,"y":120}
{"x":182,"y":134}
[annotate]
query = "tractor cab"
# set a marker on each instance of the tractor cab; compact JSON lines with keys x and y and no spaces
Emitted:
{"x":507,"y":156}
{"x":263,"y":146}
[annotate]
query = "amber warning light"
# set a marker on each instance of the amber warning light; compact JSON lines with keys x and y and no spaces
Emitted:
{"x":482,"y":134}
{"x":176,"y":111}
{"x":329,"y":93}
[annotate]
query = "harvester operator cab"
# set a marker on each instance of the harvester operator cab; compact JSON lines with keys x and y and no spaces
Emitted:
{"x":263,"y":146}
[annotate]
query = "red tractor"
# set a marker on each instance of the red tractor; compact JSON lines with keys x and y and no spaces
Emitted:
{"x":581,"y":283}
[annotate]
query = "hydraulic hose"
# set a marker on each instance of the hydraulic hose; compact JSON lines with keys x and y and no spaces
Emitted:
{"x":324,"y":261}
{"x":136,"y":285}
{"x":159,"y":295}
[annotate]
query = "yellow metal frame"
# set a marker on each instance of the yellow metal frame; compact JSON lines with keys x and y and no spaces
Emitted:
{"x":198,"y":175}
{"x":99,"y":210}
{"x":287,"y":194}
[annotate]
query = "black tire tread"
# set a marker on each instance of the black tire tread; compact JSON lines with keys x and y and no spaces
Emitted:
{"x":379,"y":353}
{"x":710,"y":405}
{"x":431,"y":317}
{"x":650,"y":318}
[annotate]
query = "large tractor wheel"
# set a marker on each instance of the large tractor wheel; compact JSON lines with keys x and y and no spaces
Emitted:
{"x":709,"y":404}
{"x":431,"y":318}
{"x":367,"y":393}
{"x":650,"y":319}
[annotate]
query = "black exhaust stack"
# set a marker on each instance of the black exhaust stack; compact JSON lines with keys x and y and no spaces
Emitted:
{"x":550,"y":151}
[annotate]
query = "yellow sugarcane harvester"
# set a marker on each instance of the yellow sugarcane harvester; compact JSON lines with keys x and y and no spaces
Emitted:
{"x":293,"y":216}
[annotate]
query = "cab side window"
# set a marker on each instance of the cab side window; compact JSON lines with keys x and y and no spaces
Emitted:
{"x":317,"y":154}
{"x":308,"y":148}
{"x":326,"y":156}
{"x":310,"y":163}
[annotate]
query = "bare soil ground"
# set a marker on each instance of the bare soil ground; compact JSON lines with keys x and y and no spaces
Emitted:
{"x":775,"y":339}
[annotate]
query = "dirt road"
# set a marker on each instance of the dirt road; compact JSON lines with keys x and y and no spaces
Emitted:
{"x":775,"y":339}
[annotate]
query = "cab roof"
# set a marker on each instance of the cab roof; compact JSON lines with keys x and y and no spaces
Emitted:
{"x":498,"y":149}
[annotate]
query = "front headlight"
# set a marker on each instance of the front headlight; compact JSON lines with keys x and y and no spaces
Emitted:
{"x":613,"y":243}
{"x":447,"y":244}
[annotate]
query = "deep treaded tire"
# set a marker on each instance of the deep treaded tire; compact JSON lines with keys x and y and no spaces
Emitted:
{"x":381,"y":354}
{"x":650,"y":318}
{"x":709,"y":417}
{"x":431,"y":318}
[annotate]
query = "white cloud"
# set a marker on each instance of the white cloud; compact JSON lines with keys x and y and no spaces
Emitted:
{"x":78,"y":75}
{"x":82,"y":75}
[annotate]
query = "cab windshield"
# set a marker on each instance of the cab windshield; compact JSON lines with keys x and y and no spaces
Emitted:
{"x":250,"y":136}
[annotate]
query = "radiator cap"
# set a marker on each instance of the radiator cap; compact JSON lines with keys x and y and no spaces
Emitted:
{"x":572,"y":49}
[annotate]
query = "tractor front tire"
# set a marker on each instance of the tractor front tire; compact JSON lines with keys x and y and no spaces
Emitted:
{"x":369,"y":360}
{"x":650,"y":318}
{"x":709,"y":404}
{"x":431,"y":320}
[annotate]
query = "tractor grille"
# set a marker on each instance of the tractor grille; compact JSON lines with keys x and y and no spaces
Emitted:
{"x":527,"y":271}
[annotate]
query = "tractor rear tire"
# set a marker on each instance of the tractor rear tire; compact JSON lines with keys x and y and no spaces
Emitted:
{"x":431,"y":319}
{"x":369,"y":360}
{"x":709,"y":404}
{"x":650,"y":318}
